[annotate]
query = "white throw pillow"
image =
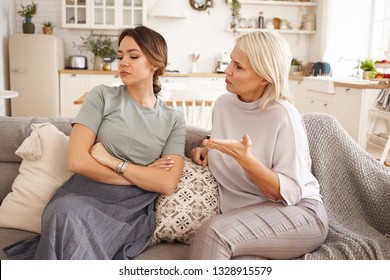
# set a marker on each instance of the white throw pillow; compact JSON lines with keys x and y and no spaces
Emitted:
{"x":195,"y":200}
{"x":42,"y":171}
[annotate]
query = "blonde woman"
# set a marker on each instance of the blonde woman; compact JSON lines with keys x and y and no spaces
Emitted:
{"x":271,"y":207}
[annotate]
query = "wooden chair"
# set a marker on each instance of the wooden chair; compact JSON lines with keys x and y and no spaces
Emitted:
{"x":81,"y":99}
{"x":197,"y":112}
{"x":380,"y":140}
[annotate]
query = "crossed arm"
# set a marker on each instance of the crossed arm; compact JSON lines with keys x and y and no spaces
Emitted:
{"x":93,"y":161}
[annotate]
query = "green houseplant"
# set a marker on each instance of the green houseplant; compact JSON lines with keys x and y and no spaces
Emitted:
{"x":101,"y":47}
{"x":235,"y":7}
{"x":295,"y":65}
{"x":27,"y":12}
{"x":47,"y":27}
{"x":368,"y":67}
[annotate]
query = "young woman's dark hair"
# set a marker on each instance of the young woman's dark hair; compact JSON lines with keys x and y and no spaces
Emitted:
{"x":153,"y":46}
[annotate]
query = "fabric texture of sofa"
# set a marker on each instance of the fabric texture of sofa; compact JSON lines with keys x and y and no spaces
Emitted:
{"x":355,"y":189}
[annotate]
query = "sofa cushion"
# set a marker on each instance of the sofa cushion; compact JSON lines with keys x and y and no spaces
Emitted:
{"x":178,"y":216}
{"x":38,"y":179}
{"x":13,"y":132}
{"x":15,"y":129}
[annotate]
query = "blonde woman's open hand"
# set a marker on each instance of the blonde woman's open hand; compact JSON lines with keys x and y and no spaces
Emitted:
{"x":236,"y":149}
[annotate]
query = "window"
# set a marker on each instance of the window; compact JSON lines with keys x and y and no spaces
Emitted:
{"x":380,"y":30}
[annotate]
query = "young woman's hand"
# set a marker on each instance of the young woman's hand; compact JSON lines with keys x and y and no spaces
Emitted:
{"x":199,"y":155}
{"x":163,"y":163}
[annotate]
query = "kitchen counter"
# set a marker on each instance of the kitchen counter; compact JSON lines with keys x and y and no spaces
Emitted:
{"x":351,"y":84}
{"x":374,"y":85}
{"x":167,"y":74}
{"x":328,"y":84}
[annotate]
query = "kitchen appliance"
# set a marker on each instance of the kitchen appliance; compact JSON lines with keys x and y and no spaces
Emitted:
{"x":35,"y":60}
{"x":222,"y":63}
{"x":77,"y":62}
{"x":321,"y":69}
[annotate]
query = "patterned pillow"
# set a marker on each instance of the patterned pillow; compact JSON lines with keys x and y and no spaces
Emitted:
{"x":195,"y":200}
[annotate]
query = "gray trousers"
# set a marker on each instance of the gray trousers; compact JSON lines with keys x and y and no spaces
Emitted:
{"x":267,"y":230}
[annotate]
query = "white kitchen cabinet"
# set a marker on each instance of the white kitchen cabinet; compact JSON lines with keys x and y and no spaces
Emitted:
{"x":313,"y":101}
{"x":290,"y":10}
{"x":349,"y":105}
{"x":353,"y":110}
{"x":72,"y":86}
{"x":298,"y":92}
{"x":103,"y":14}
{"x":109,"y":80}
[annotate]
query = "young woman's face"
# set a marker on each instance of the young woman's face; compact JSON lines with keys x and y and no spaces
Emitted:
{"x":134,"y":68}
{"x":241,"y":79}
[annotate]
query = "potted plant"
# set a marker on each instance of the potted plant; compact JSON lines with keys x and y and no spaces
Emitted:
{"x":295,"y":65}
{"x":47,"y":27}
{"x":27,"y":12}
{"x":235,"y":7}
{"x":101,"y":47}
{"x":368,"y":67}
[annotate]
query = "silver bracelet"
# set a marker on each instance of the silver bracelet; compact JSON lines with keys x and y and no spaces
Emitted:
{"x":122,"y":166}
{"x":119,"y":167}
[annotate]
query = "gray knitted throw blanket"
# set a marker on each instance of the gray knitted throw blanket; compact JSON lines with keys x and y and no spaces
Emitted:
{"x":356,"y":192}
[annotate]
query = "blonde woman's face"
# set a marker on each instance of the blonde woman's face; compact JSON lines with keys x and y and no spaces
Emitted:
{"x":241,"y":78}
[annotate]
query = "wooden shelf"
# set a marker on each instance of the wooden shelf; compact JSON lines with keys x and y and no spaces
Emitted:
{"x":283,"y":31}
{"x":279,"y":3}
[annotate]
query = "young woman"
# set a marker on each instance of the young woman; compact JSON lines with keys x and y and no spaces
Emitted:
{"x":258,"y":152}
{"x":126,"y":146}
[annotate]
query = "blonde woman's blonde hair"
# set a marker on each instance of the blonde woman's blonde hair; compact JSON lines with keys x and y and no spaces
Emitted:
{"x":270,"y":57}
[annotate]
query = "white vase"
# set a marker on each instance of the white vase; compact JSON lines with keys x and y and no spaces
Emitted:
{"x":193,"y":67}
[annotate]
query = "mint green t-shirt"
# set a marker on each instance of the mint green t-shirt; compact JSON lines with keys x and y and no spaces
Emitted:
{"x":128,"y":130}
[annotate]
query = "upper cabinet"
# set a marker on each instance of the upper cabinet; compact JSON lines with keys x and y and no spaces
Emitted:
{"x":290,"y":17}
{"x":103,"y":14}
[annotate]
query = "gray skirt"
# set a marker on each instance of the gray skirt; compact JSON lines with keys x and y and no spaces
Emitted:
{"x":87,"y":220}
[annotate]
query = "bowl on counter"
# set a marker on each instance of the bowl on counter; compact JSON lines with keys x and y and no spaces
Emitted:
{"x":295,"y":24}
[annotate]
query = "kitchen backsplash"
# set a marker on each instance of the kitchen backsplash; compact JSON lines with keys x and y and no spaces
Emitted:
{"x":204,"y":33}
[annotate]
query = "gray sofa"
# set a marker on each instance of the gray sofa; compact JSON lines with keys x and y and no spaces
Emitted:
{"x":355,"y":188}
